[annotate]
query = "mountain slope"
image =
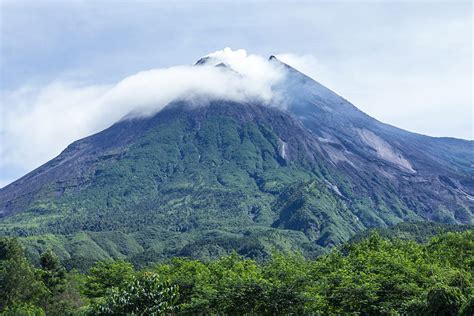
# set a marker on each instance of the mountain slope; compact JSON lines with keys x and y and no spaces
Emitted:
{"x":438,"y":171}
{"x":201,"y":180}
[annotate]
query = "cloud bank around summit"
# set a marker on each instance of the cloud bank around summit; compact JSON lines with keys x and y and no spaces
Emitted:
{"x":38,"y":122}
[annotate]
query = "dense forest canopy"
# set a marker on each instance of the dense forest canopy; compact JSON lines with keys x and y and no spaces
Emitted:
{"x":374,"y":276}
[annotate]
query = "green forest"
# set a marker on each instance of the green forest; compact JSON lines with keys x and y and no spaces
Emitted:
{"x":374,"y":275}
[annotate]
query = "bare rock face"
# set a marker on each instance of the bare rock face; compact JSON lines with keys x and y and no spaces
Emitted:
{"x":384,"y":151}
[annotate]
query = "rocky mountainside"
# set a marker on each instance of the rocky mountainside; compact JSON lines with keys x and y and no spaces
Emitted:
{"x":302,"y":174}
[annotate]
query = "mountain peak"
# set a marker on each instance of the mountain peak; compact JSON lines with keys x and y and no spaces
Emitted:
{"x":211,"y":62}
{"x":305,"y":167}
{"x":226,"y":56}
{"x":202,"y":61}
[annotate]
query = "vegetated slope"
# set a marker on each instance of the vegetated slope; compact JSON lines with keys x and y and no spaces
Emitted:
{"x":420,"y":232}
{"x":200,"y":181}
{"x":372,"y":276}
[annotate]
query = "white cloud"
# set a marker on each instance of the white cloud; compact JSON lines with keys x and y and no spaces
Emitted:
{"x":38,"y":122}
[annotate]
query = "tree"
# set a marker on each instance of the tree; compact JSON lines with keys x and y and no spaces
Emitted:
{"x":53,"y":273}
{"x":288,"y":277}
{"x":106,"y":275}
{"x":194,"y":280}
{"x":239,"y":285}
{"x":18,"y":279}
{"x":23,"y":309}
{"x":143,"y":295}
{"x":468,"y":307}
{"x":10,"y":249}
{"x":444,"y":301}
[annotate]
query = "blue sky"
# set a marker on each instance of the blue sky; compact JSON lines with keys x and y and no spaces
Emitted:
{"x":406,"y":63}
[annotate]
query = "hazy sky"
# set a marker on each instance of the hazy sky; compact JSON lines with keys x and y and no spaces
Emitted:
{"x":405,"y":63}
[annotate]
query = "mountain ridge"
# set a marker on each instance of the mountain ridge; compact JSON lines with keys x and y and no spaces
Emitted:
{"x":311,"y":174}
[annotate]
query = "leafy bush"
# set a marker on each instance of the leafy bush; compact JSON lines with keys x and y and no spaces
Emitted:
{"x":143,"y":295}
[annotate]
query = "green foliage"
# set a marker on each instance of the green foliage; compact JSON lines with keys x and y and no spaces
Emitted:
{"x":25,"y":290}
{"x":18,"y":279}
{"x":418,"y":231}
{"x":22,"y":309}
{"x":444,"y":300}
{"x":238,"y":285}
{"x":374,"y":276}
{"x":441,"y":248}
{"x":10,"y":249}
{"x":105,"y":275}
{"x":193,"y":278}
{"x":53,"y":273}
{"x":468,"y":308}
{"x":379,"y":276}
{"x":58,"y":300}
{"x":287,"y":281}
{"x":143,"y":295}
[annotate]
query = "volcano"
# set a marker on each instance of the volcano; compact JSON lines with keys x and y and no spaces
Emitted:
{"x":303,"y":173}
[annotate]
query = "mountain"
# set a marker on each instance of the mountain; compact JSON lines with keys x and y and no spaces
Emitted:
{"x":303,"y":174}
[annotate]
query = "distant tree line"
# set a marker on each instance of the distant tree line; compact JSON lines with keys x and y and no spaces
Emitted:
{"x":373,"y":276}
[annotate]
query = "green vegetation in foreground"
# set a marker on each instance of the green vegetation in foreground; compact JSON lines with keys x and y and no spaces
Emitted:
{"x":374,"y":276}
{"x":420,"y":232}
